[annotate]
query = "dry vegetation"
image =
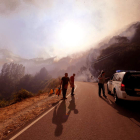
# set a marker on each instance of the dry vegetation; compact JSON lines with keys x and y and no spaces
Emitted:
{"x":16,"y":115}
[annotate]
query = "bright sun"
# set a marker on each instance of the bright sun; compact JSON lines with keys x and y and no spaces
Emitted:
{"x":71,"y":35}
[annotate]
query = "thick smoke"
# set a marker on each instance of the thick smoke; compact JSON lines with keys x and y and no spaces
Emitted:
{"x":10,"y":7}
{"x":32,"y":25}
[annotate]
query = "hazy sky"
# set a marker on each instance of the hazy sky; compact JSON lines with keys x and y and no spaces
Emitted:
{"x":44,"y":28}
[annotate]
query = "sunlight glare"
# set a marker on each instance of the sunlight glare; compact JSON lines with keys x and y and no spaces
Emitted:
{"x":71,"y":35}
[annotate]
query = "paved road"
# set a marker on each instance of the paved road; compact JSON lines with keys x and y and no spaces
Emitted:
{"x":87,"y":117}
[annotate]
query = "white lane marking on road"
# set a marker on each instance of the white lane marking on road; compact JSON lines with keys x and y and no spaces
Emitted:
{"x":19,"y":133}
{"x":135,"y":122}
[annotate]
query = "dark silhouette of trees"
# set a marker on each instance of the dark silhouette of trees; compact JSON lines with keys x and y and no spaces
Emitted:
{"x":126,"y":59}
{"x":34,"y":83}
{"x":25,"y":82}
{"x":13,"y":79}
{"x":10,"y":76}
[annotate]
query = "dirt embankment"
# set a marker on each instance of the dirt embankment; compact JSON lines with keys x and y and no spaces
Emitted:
{"x":14,"y":116}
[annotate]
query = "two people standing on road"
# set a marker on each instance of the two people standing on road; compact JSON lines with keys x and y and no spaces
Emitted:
{"x":64,"y":82}
{"x":101,"y":82}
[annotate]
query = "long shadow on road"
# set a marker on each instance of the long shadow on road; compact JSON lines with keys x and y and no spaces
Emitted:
{"x":60,"y":115}
{"x":72,"y":106}
{"x":128,"y":109}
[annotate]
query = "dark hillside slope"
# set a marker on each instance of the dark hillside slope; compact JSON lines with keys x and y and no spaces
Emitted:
{"x":121,"y":55}
{"x":136,"y":38}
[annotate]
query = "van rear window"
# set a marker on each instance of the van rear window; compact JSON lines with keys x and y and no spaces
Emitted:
{"x":132,"y":80}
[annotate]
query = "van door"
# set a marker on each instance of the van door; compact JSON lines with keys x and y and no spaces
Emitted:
{"x":114,"y":82}
{"x":110,"y":83}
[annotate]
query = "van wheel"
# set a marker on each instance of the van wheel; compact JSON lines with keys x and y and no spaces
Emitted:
{"x":109,"y":92}
{"x":117,"y":100}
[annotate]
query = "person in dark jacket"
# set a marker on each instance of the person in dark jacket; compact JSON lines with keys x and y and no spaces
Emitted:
{"x":64,"y":82}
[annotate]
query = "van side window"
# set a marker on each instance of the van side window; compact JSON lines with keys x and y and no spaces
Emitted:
{"x":120,"y":77}
{"x":115,"y":77}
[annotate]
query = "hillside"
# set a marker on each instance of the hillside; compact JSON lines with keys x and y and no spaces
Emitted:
{"x":122,"y":54}
{"x":55,"y":67}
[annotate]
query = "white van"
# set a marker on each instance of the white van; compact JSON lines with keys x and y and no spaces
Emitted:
{"x":125,"y":85}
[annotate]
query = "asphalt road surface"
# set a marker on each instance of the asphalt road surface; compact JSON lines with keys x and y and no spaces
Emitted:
{"x":85,"y":116}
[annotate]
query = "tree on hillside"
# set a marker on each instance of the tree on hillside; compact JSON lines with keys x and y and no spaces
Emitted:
{"x":122,"y":39}
{"x":13,"y":71}
{"x":25,"y":82}
{"x":42,"y":75}
{"x":34,"y":83}
{"x":10,"y":76}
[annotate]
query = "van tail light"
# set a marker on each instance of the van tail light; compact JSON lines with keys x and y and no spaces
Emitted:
{"x":122,"y":87}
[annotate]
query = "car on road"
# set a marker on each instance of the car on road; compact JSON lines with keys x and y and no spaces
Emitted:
{"x":125,"y":85}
